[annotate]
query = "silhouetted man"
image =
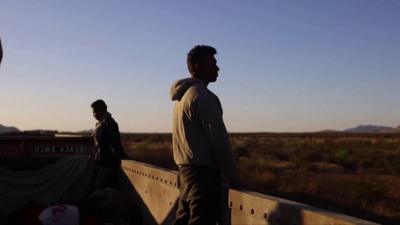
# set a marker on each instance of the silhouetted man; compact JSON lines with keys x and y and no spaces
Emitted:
{"x":108,"y":149}
{"x":1,"y":52}
{"x":200,"y":140}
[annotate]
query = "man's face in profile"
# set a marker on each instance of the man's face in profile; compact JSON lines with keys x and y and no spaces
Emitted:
{"x":98,"y":114}
{"x":208,"y":69}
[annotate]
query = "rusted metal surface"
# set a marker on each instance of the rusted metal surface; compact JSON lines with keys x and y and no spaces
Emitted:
{"x":157,"y":188}
{"x":44,"y":146}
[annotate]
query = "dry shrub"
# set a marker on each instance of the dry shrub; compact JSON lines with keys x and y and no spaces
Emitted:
{"x":337,"y":172}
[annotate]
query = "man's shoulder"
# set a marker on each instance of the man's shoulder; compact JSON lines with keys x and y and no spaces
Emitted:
{"x":199,"y":92}
{"x":195,"y":92}
{"x":110,"y":122}
{"x":206,"y":100}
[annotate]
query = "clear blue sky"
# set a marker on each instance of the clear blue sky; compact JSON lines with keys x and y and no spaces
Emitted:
{"x":298,"y":65}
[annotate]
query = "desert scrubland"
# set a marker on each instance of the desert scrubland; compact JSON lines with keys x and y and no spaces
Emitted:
{"x":355,"y":174}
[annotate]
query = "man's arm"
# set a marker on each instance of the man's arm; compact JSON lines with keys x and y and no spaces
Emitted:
{"x":115,"y":141}
{"x":210,"y":115}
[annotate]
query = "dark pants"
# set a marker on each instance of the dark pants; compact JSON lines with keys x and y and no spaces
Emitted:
{"x":199,"y":198}
{"x":105,"y":177}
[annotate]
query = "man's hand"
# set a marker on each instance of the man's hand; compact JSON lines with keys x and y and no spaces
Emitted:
{"x":235,"y":184}
{"x":124,"y":155}
{"x":232,"y":182}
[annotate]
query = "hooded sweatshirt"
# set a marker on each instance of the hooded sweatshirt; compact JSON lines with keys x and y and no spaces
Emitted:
{"x":199,"y":136}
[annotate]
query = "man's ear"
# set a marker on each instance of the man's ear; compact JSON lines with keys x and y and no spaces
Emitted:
{"x":196,"y":67}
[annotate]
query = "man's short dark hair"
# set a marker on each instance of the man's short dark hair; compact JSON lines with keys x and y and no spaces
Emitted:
{"x":99,"y":104}
{"x":197,"y":54}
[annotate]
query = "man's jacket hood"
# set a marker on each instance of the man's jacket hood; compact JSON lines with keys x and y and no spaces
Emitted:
{"x":180,"y":87}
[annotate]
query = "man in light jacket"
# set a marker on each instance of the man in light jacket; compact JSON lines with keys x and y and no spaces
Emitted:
{"x":200,"y":141}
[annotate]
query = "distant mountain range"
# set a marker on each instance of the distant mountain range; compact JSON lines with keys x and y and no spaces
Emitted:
{"x":5,"y":129}
{"x":365,"y":129}
{"x":372,"y":129}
